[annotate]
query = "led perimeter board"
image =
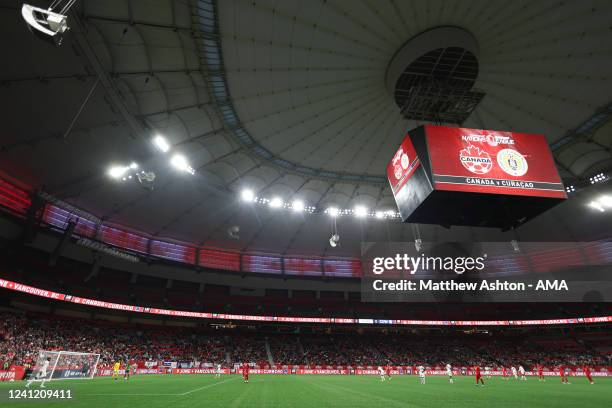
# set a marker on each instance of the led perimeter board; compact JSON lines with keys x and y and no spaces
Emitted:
{"x":483,"y":178}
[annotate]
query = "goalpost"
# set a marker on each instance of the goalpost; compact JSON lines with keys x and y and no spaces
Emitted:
{"x":63,"y":365}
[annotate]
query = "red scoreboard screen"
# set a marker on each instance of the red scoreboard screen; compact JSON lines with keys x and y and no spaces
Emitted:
{"x":492,"y":178}
{"x":488,"y":161}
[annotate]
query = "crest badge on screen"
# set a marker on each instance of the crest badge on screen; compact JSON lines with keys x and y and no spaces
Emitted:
{"x":512,"y":162}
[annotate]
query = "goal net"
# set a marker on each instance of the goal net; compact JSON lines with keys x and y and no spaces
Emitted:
{"x":64,"y":365}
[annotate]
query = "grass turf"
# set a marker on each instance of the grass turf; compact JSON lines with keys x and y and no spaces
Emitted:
{"x":179,"y":391}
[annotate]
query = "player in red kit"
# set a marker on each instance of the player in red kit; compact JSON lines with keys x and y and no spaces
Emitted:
{"x":504,"y":373}
{"x":478,"y":376}
{"x":587,"y":373}
{"x":245,"y":372}
{"x":388,"y":372}
{"x":564,"y":379}
{"x":541,"y":373}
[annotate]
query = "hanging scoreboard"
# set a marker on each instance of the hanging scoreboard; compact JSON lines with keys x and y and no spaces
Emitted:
{"x":456,"y":176}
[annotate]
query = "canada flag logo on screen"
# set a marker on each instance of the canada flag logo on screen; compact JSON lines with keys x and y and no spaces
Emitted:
{"x":475,"y":160}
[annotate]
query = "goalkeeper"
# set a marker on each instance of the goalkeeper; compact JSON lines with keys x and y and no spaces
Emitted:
{"x":116,"y":368}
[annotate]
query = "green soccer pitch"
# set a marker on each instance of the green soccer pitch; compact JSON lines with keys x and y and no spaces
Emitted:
{"x":191,"y":391}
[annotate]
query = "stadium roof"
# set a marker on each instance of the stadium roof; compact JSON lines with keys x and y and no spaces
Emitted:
{"x":288,"y":98}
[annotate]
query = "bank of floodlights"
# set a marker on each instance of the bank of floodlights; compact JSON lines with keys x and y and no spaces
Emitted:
{"x":598,"y":178}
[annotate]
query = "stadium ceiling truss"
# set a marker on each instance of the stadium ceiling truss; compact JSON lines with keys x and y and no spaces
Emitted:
{"x":212,"y":57}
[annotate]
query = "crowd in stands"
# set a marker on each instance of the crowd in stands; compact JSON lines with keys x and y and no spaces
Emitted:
{"x":439,"y":350}
{"x":22,"y":336}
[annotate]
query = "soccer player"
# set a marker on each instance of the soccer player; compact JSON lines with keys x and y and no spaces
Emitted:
{"x":42,"y":373}
{"x":449,"y":372}
{"x":116,"y":368}
{"x":478,"y":376}
{"x":514,"y":372}
{"x":421,"y":370}
{"x":245,"y":372}
{"x":563,"y":375}
{"x":388,"y":372}
{"x":218,"y":371}
{"x":128,"y":367}
{"x":587,"y":373}
{"x":504,"y":373}
{"x":85,"y":368}
{"x":541,"y":373}
{"x":381,"y":372}
{"x":522,"y":373}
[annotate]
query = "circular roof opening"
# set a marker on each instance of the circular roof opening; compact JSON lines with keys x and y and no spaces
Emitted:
{"x":431,"y":77}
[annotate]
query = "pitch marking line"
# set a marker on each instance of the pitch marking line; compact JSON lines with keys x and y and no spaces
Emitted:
{"x":209,"y":385}
{"x":173,"y":395}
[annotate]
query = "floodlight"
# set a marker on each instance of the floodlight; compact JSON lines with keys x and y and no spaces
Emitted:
{"x":597,"y":178}
{"x":596,"y":205}
{"x":380,"y":214}
{"x":161,"y":144}
{"x":247,"y":195}
{"x":276,"y":202}
{"x":297,"y":205}
{"x":133,"y":165}
{"x":606,"y":201}
{"x":360,"y":211}
{"x":179,"y":162}
{"x":333,"y":211}
{"x":117,"y":171}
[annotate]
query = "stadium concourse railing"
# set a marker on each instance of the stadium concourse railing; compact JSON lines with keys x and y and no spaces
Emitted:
{"x":62,"y":297}
{"x":58,"y":214}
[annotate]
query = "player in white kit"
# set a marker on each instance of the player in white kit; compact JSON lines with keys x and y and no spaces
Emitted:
{"x":218,"y":371}
{"x":381,"y":372}
{"x":421,"y":371}
{"x":513,"y":368}
{"x":449,"y":372}
{"x":521,"y":371}
{"x":41,"y":374}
